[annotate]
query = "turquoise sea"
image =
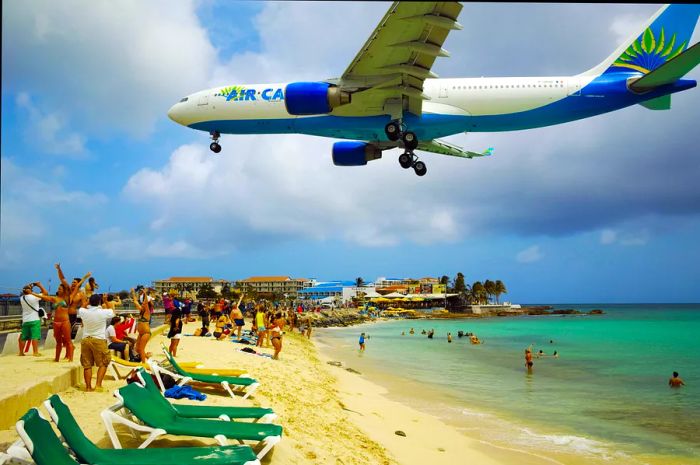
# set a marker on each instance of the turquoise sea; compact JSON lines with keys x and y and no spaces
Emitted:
{"x":606,"y":398}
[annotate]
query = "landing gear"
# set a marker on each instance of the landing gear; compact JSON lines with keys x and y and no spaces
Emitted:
{"x":214,"y":146}
{"x":395,"y":130}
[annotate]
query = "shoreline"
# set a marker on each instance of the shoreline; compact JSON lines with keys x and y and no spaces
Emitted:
{"x":428,"y":439}
{"x":493,"y":428}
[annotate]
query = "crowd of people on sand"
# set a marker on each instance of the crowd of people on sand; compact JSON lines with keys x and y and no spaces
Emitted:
{"x":78,"y":304}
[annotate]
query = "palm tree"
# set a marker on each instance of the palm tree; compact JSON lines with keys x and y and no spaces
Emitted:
{"x":478,"y":292}
{"x":489,"y":288}
{"x":460,"y":287}
{"x":500,"y":289}
{"x":359,"y":282}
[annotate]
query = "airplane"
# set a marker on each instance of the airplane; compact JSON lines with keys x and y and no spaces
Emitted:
{"x":388,"y":97}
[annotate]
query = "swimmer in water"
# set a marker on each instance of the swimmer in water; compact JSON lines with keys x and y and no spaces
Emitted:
{"x":675,"y":381}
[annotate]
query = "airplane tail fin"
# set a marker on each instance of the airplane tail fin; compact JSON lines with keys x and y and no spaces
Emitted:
{"x":661,"y":38}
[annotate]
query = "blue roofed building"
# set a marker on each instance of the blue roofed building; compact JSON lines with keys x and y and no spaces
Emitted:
{"x":325,"y":289}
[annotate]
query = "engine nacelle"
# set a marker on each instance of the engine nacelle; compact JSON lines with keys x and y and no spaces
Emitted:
{"x":313,"y":98}
{"x":354,"y":153}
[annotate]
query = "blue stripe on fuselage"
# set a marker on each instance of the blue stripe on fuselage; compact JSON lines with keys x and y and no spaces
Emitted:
{"x":602,"y":95}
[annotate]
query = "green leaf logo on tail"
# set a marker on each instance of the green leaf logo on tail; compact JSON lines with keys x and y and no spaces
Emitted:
{"x":649,"y":52}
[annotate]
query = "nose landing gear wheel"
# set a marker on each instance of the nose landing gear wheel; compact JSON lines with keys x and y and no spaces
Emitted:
{"x":405,"y":160}
{"x":215,"y":147}
{"x":393,"y":130}
{"x":419,"y":168}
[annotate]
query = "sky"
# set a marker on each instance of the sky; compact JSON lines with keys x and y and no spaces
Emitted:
{"x":96,"y":177}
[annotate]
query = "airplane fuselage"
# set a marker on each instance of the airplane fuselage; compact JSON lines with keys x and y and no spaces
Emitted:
{"x":454,"y":106}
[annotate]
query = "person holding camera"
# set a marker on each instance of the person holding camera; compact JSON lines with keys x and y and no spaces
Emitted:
{"x":31,"y":320}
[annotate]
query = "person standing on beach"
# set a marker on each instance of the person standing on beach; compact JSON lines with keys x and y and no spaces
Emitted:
{"x":276,"y":334}
{"x":90,"y":287}
{"x":362,"y":342}
{"x":675,"y":381}
{"x":145,"y":309}
{"x":61,"y":320}
{"x":31,"y":321}
{"x":237,"y":317}
{"x":260,"y":323}
{"x":175,"y":332}
{"x":93,"y":346}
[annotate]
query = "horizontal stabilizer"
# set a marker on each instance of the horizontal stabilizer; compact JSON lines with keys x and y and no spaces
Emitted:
{"x":669,"y":72}
{"x":658,"y":103}
{"x":444,"y":148}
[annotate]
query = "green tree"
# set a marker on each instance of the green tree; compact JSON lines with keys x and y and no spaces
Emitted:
{"x":460,"y":286}
{"x":500,"y":289}
{"x":123,"y":294}
{"x":489,"y":288}
{"x":359,"y":282}
{"x":207,"y":292}
{"x":478,"y":292}
{"x":445,"y":281}
{"x":227,"y":291}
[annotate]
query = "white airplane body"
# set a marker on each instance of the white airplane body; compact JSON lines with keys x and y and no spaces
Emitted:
{"x":389,"y":98}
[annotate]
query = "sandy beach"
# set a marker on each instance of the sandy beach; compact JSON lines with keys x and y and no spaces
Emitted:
{"x":329,"y":415}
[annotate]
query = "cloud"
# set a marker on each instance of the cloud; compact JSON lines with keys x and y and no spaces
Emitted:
{"x":608,"y":236}
{"x":47,"y":131}
{"x":109,"y":69}
{"x":529,"y":255}
{"x":32,"y":207}
{"x":118,"y":244}
{"x":629,"y":238}
{"x":254,"y":192}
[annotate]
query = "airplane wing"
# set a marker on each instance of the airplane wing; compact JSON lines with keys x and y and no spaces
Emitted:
{"x":387,"y":74}
{"x":445,"y":148}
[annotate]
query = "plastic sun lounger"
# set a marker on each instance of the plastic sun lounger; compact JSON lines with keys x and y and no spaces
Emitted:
{"x":126,"y":364}
{"x":243,"y":384}
{"x":46,"y":448}
{"x":196,"y":368}
{"x":258,"y":414}
{"x":157,"y":421}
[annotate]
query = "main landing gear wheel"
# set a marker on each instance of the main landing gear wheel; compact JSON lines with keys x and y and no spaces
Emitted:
{"x":419,"y":168}
{"x":393,"y":131}
{"x":410,"y":141}
{"x":406,"y":160}
{"x":214,"y":146}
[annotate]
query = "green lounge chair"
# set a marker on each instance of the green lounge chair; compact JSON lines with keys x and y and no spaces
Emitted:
{"x":141,"y":405}
{"x":244,"y":384}
{"x":46,"y":448}
{"x":258,"y":414}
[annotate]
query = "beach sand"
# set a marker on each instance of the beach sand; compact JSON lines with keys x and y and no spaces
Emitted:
{"x":329,"y":415}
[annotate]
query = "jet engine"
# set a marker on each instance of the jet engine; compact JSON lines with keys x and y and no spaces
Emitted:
{"x":313,"y":98}
{"x":354,"y":153}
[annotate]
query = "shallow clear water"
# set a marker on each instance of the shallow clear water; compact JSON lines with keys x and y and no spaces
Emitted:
{"x":606,"y":395}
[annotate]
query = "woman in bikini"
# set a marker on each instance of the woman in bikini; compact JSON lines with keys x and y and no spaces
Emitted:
{"x":276,"y":334}
{"x":144,"y":328}
{"x":61,"y":323}
{"x":66,"y":306}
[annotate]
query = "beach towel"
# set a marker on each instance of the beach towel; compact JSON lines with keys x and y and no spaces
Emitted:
{"x":181,"y":392}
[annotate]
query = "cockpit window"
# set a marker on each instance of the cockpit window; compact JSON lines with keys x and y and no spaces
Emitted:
{"x":183,"y":99}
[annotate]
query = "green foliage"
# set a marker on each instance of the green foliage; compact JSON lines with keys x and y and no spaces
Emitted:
{"x":460,"y":286}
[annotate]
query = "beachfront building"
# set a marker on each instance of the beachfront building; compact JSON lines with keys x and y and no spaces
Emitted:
{"x":189,"y":285}
{"x":274,"y":285}
{"x":326,"y":289}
